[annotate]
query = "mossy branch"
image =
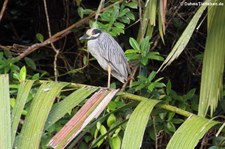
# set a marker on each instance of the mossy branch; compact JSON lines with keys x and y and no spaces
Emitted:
{"x":140,"y":98}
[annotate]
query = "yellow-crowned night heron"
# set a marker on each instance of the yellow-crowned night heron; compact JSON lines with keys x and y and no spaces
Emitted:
{"x":108,"y":53}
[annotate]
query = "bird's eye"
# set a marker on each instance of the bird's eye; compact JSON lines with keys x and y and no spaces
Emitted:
{"x":95,"y":31}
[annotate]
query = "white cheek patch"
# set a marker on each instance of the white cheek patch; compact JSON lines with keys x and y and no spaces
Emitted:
{"x":96,"y":35}
{"x":89,"y":32}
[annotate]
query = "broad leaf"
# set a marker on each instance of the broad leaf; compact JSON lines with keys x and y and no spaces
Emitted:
{"x":5,"y":121}
{"x":190,"y":132}
{"x":37,"y":115}
{"x":136,"y":125}
{"x":21,"y":99}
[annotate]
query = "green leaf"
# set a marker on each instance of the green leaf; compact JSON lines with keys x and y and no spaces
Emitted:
{"x":177,"y":120}
{"x":151,"y":87}
{"x":112,"y":106}
{"x":130,"y":16}
{"x":155,"y":56}
{"x":133,"y":5}
{"x":162,"y":115}
{"x":161,"y":24}
{"x":151,"y":76}
{"x":170,"y":126}
{"x":61,"y":108}
{"x":103,"y":130}
{"x":118,"y":30}
{"x":115,"y":142}
{"x":5,"y":126}
{"x":33,"y":126}
{"x":144,"y":61}
{"x":213,"y":62}
{"x":30,"y":63}
{"x":140,"y":86}
{"x":40,"y":37}
{"x":119,"y":25}
{"x":168,"y":87}
{"x":131,"y":51}
{"x":22,"y":95}
{"x":16,"y":76}
{"x":80,"y":12}
{"x":152,"y":9}
{"x":134,"y":44}
{"x":106,"y":16}
{"x":36,"y":76}
{"x":111,"y":119}
{"x":145,"y":45}
{"x":124,"y":19}
{"x":124,"y":12}
{"x":190,"y":94}
{"x":85,"y":60}
{"x":187,"y":136}
{"x":135,"y":128}
{"x":23,"y":73}
{"x":132,"y":55}
{"x":184,"y":38}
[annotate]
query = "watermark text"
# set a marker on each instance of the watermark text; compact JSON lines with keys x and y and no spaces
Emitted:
{"x":202,"y":3}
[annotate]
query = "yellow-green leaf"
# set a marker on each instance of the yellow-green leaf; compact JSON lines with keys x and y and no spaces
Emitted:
{"x":213,"y":61}
{"x":135,"y":128}
{"x":190,"y":132}
{"x":37,"y":115}
{"x":5,"y":121}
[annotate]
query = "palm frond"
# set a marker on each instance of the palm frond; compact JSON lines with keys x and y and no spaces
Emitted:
{"x":213,"y":61}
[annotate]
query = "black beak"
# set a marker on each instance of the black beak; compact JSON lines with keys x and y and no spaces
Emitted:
{"x":85,"y":36}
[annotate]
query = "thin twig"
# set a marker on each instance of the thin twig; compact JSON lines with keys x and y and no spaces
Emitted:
{"x":101,"y":5}
{"x":53,"y":46}
{"x":3,"y":9}
{"x":141,"y":20}
{"x":155,"y":132}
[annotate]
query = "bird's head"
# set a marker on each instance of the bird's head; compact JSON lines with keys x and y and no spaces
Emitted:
{"x":92,"y":33}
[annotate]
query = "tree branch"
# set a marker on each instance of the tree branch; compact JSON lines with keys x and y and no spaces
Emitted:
{"x":140,"y":98}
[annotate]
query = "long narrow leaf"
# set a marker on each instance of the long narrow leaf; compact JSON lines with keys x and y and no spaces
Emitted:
{"x":184,"y":39}
{"x":91,"y":109}
{"x":21,"y":99}
{"x":213,"y":62}
{"x":5,"y":123}
{"x":190,"y":132}
{"x":66,"y":105}
{"x":137,"y":123}
{"x":37,"y":115}
{"x":152,"y":13}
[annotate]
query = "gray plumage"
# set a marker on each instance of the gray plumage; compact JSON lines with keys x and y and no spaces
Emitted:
{"x":107,"y":52}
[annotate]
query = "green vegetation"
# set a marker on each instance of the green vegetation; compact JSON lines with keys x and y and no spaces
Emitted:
{"x":49,"y":82}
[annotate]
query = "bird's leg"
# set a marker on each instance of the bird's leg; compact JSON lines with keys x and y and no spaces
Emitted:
{"x":109,"y":76}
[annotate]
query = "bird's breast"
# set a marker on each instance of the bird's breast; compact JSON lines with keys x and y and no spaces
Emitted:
{"x":93,"y":48}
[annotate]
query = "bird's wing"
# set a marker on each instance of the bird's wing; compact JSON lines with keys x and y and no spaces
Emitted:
{"x":111,"y":51}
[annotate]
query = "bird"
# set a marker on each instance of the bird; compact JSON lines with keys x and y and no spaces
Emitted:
{"x":108,"y":53}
